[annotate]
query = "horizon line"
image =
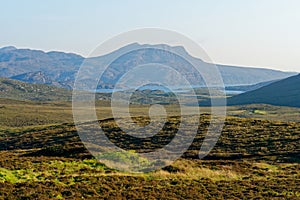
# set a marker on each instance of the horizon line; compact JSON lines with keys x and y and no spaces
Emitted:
{"x":79,"y":54}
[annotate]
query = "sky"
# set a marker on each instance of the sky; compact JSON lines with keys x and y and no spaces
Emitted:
{"x":257,"y":33}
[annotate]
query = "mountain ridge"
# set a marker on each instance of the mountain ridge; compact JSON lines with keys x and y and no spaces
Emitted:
{"x":59,"y":68}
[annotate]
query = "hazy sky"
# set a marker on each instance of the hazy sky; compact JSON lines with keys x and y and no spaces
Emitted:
{"x":260,"y":33}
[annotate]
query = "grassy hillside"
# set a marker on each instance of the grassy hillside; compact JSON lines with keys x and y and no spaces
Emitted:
{"x":283,"y":93}
{"x":253,"y":159}
{"x":16,"y":113}
{"x":12,"y":89}
{"x":42,"y":157}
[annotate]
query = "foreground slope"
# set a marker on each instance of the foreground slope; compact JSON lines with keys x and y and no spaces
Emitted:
{"x":252,"y":159}
{"x":43,"y":158}
{"x":283,"y":93}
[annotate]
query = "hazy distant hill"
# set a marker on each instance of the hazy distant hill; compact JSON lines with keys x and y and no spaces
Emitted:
{"x":59,"y":68}
{"x":246,"y":88}
{"x":234,"y":76}
{"x":285,"y":92}
{"x":12,"y":89}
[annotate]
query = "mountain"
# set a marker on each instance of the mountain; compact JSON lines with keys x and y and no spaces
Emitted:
{"x":34,"y":77}
{"x":59,"y":68}
{"x":24,"y":64}
{"x":40,"y":77}
{"x":285,"y":92}
{"x":234,"y":76}
{"x":12,"y":89}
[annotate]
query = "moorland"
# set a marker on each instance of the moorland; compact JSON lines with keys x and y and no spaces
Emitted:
{"x":42,"y":157}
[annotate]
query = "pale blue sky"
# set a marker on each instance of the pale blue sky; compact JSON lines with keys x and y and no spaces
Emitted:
{"x":261,"y":33}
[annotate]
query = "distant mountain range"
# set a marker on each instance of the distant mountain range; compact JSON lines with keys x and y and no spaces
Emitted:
{"x":59,"y":68}
{"x":285,"y":92}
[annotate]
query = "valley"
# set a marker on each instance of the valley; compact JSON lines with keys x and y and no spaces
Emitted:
{"x":167,"y":100}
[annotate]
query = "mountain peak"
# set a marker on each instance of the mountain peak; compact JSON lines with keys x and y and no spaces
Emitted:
{"x":136,"y":45}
